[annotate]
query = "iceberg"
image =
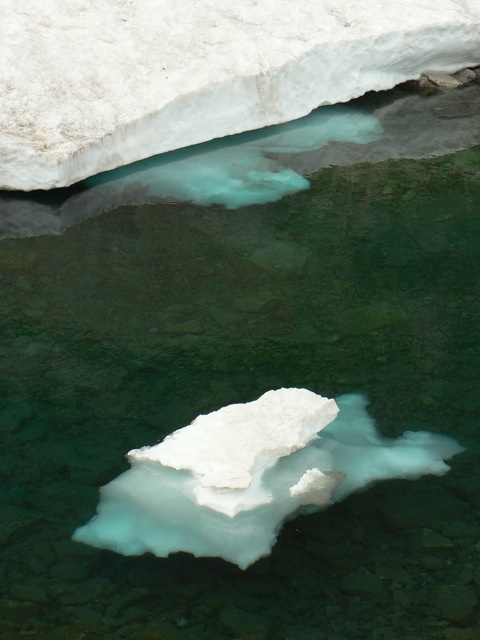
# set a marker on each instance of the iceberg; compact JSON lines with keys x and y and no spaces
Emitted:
{"x":224,"y":485}
{"x":88,"y":87}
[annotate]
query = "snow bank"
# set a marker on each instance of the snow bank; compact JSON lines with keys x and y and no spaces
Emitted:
{"x":89,"y":86}
{"x":223,"y":485}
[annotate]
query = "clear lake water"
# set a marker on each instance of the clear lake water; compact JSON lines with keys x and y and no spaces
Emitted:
{"x":129,"y":324}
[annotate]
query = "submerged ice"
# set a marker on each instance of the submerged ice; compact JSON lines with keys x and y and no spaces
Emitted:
{"x":224,"y":485}
{"x":238,"y":173}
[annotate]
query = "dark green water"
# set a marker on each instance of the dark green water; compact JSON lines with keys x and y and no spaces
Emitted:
{"x":132,"y":323}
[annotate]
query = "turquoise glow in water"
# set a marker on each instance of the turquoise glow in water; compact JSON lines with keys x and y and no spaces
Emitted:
{"x":131,"y":323}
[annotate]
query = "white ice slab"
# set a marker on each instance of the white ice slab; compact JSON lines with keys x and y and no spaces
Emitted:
{"x":229,"y":450}
{"x":89,"y":86}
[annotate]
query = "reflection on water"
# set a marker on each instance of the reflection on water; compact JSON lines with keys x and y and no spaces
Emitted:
{"x":133,"y":322}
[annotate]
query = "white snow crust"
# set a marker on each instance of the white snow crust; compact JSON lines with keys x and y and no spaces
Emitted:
{"x":224,"y":485}
{"x":88,"y":86}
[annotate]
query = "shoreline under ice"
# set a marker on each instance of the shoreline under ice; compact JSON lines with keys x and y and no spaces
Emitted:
{"x":261,"y":166}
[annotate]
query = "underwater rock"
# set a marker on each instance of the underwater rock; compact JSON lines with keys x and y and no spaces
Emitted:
{"x":223,"y":485}
{"x":454,"y":602}
{"x":12,"y":417}
{"x":357,"y":321}
{"x":14,"y":518}
{"x":422,"y":508}
{"x":363,"y":584}
{"x":280,"y":255}
{"x":29,"y":593}
{"x":243,"y":623}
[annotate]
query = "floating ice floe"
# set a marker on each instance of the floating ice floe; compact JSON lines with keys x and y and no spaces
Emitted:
{"x":224,"y":485}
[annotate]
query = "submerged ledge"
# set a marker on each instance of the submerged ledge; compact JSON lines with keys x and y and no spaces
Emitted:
{"x":88,"y":88}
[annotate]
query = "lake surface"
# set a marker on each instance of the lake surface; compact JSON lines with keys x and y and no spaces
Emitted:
{"x":131,"y":323}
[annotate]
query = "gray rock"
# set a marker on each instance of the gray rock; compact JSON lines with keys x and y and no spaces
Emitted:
{"x":465,"y":76}
{"x":437,"y":82}
{"x":444,"y":81}
{"x":476,"y":71}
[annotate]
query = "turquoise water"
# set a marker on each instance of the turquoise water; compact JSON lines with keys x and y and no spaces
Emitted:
{"x":131,"y":323}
